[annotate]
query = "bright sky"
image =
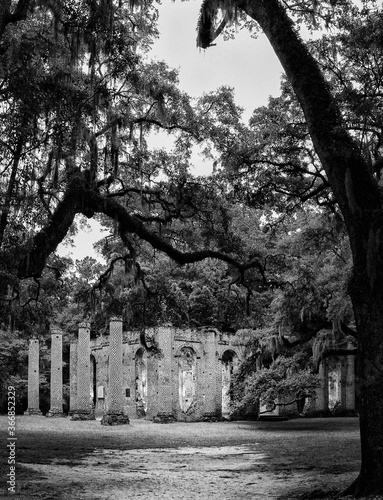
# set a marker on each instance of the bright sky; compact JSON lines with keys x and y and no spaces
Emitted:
{"x":246,"y":64}
{"x":249,"y":65}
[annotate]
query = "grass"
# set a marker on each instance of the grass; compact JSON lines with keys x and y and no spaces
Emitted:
{"x":321,"y":447}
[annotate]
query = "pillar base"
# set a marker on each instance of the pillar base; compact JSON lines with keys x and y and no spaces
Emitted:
{"x":164,"y":419}
{"x":33,"y":411}
{"x":55,"y":413}
{"x":115,"y":419}
{"x":350,"y":413}
{"x":317,"y":413}
{"x":82,"y":415}
{"x":271,"y":418}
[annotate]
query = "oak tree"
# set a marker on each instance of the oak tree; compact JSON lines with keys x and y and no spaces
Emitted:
{"x":349,"y":172}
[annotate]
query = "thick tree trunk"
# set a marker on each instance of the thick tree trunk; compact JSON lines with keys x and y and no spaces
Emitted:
{"x":357,"y":194}
{"x":367,"y":301}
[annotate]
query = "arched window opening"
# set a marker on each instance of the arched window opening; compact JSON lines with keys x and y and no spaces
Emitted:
{"x":141,"y":382}
{"x":187,"y":378}
{"x":334,"y":383}
{"x":229,"y":364}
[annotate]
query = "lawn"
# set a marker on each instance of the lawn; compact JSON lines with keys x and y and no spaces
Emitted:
{"x":63,"y":459}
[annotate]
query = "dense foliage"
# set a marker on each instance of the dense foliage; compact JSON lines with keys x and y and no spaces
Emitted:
{"x":293,"y":211}
{"x":80,"y":99}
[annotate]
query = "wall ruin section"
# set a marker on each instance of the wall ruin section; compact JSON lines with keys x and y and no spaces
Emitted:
{"x":182,"y":382}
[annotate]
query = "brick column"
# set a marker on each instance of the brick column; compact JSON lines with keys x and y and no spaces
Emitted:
{"x":33,"y":378}
{"x":152,"y":382}
{"x":72,"y":376}
{"x":56,"y":409}
{"x":342,"y":367}
{"x":164,"y":389}
{"x":83,"y":410}
{"x":321,"y":402}
{"x":350,"y":384}
{"x":218,"y":379}
{"x":210,"y":377}
{"x":115,"y":413}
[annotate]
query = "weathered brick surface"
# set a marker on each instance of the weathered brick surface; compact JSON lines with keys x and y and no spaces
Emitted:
{"x":209,"y":388}
{"x":350,"y":384}
{"x":33,"y":378}
{"x":72,"y":376}
{"x":83,"y":409}
{"x":321,"y":402}
{"x":115,"y":398}
{"x":152,"y":380}
{"x":168,"y":378}
{"x":164,"y":372}
{"x":337,"y":384}
{"x":56,"y":408}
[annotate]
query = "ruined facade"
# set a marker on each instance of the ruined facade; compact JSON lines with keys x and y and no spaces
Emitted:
{"x":187,"y":380}
{"x":336,"y":394}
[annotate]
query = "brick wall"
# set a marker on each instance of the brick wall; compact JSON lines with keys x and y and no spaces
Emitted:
{"x":164,"y":371}
{"x":336,"y":393}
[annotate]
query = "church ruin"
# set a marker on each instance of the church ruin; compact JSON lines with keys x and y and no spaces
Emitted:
{"x":186,"y":379}
{"x":185,"y":376}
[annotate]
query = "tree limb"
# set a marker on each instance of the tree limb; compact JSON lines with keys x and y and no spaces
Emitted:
{"x":7,"y":17}
{"x":31,"y":257}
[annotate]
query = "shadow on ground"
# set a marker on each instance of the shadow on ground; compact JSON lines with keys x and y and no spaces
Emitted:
{"x":62,"y":459}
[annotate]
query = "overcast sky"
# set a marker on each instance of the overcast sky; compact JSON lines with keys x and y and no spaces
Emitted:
{"x":249,"y":65}
{"x":246,"y":64}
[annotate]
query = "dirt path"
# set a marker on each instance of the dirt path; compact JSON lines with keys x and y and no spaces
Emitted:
{"x":191,"y":473}
{"x":60,"y":459}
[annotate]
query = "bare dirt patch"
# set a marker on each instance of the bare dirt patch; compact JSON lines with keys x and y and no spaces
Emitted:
{"x":61,"y":459}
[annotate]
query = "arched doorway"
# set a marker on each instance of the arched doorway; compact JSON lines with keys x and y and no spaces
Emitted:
{"x":334,"y":374}
{"x":141,"y":372}
{"x":229,"y":364}
{"x":187,"y":362}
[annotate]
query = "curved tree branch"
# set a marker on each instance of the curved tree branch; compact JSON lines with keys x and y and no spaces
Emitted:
{"x":130,"y":224}
{"x":31,"y":257}
{"x":7,"y":17}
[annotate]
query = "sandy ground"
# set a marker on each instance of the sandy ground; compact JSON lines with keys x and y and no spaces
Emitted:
{"x":61,"y":459}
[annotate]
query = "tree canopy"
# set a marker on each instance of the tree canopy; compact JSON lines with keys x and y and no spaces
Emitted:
{"x":293,"y":211}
